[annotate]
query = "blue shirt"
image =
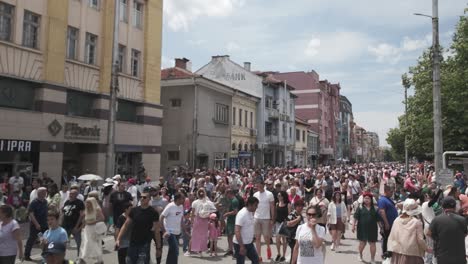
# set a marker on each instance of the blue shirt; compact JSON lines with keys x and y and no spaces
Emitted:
{"x":389,"y":207}
{"x":58,"y":235}
{"x":39,"y":209}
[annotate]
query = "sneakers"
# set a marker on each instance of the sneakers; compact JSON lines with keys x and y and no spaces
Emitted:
{"x":360,"y":258}
{"x":282,"y":259}
{"x":278,"y":257}
{"x":332,"y":247}
{"x":187,"y":254}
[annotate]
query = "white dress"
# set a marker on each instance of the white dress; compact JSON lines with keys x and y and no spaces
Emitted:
{"x":91,"y":247}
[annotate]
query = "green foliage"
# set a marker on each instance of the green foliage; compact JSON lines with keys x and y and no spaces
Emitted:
{"x":454,"y":92}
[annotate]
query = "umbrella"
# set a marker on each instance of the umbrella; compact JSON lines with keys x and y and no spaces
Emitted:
{"x":296,"y":170}
{"x":90,"y":177}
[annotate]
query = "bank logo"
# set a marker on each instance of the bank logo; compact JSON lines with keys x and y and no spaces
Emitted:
{"x":54,"y":127}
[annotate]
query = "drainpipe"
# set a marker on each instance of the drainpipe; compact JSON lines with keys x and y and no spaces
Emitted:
{"x":286,"y":130}
{"x":195,"y":125}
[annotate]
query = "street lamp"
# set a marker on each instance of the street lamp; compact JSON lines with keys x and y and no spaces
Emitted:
{"x":437,"y":115}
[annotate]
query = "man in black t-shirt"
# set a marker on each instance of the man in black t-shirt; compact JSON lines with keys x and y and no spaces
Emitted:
{"x":448,"y":231}
{"x":118,"y":200}
{"x":72,"y":216}
{"x":145,"y":225}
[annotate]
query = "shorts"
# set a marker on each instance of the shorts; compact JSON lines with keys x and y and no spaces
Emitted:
{"x":230,"y":228}
{"x":339,"y":226}
{"x":262,"y":227}
{"x":276,"y":228}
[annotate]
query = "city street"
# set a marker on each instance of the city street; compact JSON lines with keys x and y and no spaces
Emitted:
{"x":348,"y":253}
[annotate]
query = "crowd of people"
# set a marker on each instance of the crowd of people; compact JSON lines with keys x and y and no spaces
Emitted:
{"x":293,"y":209}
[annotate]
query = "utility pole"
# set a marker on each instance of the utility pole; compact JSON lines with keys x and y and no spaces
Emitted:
{"x":110,"y":158}
{"x":438,"y":143}
{"x":406,"y":127}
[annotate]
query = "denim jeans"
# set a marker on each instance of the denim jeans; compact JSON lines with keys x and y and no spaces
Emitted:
{"x":186,"y":240}
{"x":134,"y":252}
{"x":250,"y":252}
{"x":173,"y":249}
{"x":33,"y":232}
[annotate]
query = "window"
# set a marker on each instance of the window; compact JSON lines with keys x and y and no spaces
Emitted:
{"x":173,"y":155}
{"x":303,"y":136}
{"x":240,"y":117}
{"x":233,"y":116}
{"x":121,"y":62}
{"x":176,"y":102}
{"x":90,"y":48}
{"x":6,"y":20}
{"x":15,"y":93}
{"x":80,"y":104}
{"x":127,"y":111}
{"x":136,"y":62}
{"x":221,"y":114}
{"x":94,"y":4}
{"x":298,"y":135}
{"x":269,"y":102}
{"x":123,"y":10}
{"x":290,"y":132}
{"x":246,"y":115}
{"x":137,"y":14}
{"x":72,"y":41}
{"x":268,"y":128}
{"x":284,"y":131}
{"x":31,"y":30}
{"x":220,"y":160}
{"x":251,"y":120}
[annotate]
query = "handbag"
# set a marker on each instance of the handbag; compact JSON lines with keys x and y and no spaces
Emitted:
{"x":101,"y":228}
{"x":284,"y":230}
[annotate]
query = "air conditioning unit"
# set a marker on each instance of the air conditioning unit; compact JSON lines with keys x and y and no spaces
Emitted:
{"x":253,"y":132}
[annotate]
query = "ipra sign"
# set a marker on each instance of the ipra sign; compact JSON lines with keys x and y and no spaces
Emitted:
{"x":7,"y":145}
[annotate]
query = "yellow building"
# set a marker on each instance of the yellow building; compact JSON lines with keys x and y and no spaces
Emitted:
{"x":55,"y":72}
{"x":243,"y":130}
{"x":301,"y":133}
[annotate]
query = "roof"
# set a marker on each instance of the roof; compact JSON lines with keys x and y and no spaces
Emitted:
{"x":269,"y":78}
{"x":301,"y":121}
{"x":176,"y":73}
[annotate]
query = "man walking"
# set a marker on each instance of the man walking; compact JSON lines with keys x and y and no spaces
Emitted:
{"x":388,"y":213}
{"x":230,"y":215}
{"x":144,"y":221}
{"x":448,"y":231}
{"x":118,"y":200}
{"x":72,"y":216}
{"x":244,"y":230}
{"x":171,"y":218}
{"x":264,"y":217}
{"x":38,"y":220}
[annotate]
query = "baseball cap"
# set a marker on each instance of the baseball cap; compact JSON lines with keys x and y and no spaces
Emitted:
{"x":54,"y":248}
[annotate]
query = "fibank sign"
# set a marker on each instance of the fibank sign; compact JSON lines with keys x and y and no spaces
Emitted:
{"x":75,"y":131}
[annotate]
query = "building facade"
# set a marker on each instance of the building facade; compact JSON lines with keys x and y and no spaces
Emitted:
{"x":318,"y":103}
{"x":312,"y":149}
{"x":197,"y":120}
{"x":300,"y":151}
{"x":56,"y":60}
{"x":344,"y":129}
{"x":374,"y":146}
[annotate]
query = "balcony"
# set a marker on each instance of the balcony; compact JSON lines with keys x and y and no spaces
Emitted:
{"x":273,"y":113}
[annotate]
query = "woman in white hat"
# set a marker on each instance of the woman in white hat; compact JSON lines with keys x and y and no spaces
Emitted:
{"x":406,"y":240}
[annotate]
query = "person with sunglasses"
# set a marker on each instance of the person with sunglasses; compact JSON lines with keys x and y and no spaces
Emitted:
{"x":144,"y":221}
{"x":309,"y":240}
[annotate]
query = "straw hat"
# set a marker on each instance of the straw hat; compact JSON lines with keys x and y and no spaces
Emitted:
{"x":411,"y":207}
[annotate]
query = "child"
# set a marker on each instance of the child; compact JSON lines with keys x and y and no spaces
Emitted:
{"x":55,"y":233}
{"x":186,"y":232}
{"x":213,"y":229}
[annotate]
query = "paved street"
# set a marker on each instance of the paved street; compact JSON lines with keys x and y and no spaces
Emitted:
{"x":347,"y":255}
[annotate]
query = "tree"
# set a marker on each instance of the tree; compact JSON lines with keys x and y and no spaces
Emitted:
{"x":396,"y":139}
{"x":454,"y":92}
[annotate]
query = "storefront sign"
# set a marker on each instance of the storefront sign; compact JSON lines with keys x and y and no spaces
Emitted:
{"x":75,"y":131}
{"x":245,"y":154}
{"x":7,"y":145}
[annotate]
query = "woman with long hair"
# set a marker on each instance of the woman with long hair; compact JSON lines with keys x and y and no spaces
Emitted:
{"x":283,"y":209}
{"x":336,"y":219}
{"x":53,"y":197}
{"x":201,"y":210}
{"x":11,"y":244}
{"x":294,"y":219}
{"x":91,"y":247}
{"x":365,"y":219}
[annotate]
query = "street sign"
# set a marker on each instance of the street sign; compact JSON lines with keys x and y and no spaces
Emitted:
{"x":445,"y":177}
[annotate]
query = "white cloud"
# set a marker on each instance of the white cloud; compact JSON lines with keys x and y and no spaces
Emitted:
{"x":232,"y":46}
{"x":335,"y":47}
{"x":416,"y":44}
{"x":385,"y":53}
{"x":379,"y":122}
{"x":388,"y":53}
{"x":166,"y":62}
{"x":179,"y":14}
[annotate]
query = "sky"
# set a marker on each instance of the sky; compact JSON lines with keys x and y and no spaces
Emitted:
{"x":365,"y":45}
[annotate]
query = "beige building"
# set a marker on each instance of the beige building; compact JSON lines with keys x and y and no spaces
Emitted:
{"x":55,"y":72}
{"x":300,"y":149}
{"x":243,"y":130}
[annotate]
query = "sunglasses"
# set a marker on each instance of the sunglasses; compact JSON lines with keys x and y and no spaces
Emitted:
{"x":311,"y":215}
{"x":144,"y":197}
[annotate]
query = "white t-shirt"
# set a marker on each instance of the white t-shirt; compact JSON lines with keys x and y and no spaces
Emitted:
{"x":172,"y":218}
{"x":245,"y":220}
{"x":16,"y":183}
{"x":354,"y":186}
{"x":307,"y":253}
{"x":320,"y":184}
{"x":263,"y":210}
{"x":133,"y":190}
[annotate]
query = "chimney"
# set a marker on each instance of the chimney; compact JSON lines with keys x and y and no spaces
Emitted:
{"x":247,"y":66}
{"x":182,"y":63}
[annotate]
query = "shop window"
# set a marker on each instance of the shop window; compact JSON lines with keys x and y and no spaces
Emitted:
{"x":6,"y":21}
{"x":16,"y":94}
{"x":173,"y":155}
{"x":80,"y":104}
{"x":127,"y":111}
{"x":31,"y":23}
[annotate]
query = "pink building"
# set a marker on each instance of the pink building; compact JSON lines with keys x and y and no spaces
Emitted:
{"x":318,"y":103}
